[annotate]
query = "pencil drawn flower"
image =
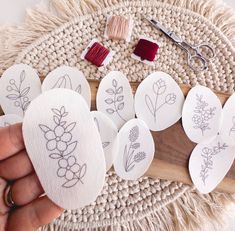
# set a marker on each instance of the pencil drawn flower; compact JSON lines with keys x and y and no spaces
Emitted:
{"x":159,"y":88}
{"x":60,"y":144}
{"x":116,"y":100}
{"x":202,"y":114}
{"x":130,"y":157}
{"x":207,"y":155}
{"x":18,"y":93}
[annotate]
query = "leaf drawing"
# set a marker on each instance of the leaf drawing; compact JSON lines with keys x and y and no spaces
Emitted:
{"x":60,"y":144}
{"x":202,"y":114}
{"x":131,"y":155}
{"x":207,"y":155}
{"x":66,"y":82}
{"x":104,"y":144}
{"x":232,"y":129}
{"x":159,"y":88}
{"x":115,"y":100}
{"x":18,"y":93}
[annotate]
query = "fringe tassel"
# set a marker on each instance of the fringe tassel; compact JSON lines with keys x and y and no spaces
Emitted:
{"x":41,"y":20}
{"x":191,"y":211}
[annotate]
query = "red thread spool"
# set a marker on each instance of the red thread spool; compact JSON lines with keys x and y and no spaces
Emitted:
{"x":146,"y":50}
{"x":97,"y":54}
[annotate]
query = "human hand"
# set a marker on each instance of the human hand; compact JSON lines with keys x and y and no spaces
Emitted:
{"x":33,"y":209}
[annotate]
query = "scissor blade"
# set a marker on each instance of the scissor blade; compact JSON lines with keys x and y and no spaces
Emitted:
{"x":158,"y":25}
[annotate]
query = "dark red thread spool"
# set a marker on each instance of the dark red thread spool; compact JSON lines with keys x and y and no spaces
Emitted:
{"x":97,"y":54}
{"x":146,"y":50}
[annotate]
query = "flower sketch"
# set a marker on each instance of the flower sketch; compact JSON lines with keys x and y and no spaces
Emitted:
{"x":116,"y":100}
{"x":208,"y":154}
{"x":202,"y":114}
{"x":130,"y":157}
{"x":159,"y":89}
{"x":60,"y":144}
{"x":104,"y":144}
{"x":18,"y":93}
{"x":66,"y":82}
{"x":232,"y":129}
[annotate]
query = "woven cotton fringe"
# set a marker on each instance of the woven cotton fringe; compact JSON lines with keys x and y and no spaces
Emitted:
{"x":42,"y":20}
{"x":192,"y":211}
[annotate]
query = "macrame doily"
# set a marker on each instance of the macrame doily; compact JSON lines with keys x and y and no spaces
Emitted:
{"x":55,"y":37}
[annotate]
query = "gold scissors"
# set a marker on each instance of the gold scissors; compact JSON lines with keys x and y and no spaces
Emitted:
{"x":198,"y":55}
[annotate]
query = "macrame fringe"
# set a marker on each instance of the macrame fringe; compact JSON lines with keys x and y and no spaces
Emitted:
{"x":42,"y":20}
{"x":191,"y":211}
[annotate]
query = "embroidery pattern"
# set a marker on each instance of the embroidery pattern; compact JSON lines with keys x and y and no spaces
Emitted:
{"x":159,"y":88}
{"x":116,"y":100}
{"x":66,"y":82}
{"x":18,"y":93}
{"x":208,"y":154}
{"x":104,"y":144}
{"x":203,"y":114}
{"x":130,"y":157}
{"x":61,"y":146}
{"x":233,"y":126}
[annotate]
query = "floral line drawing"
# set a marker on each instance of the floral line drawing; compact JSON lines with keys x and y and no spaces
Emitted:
{"x":116,"y":100}
{"x":130,"y":157}
{"x":159,"y":88}
{"x":66,"y":82}
{"x":104,"y":144}
{"x":208,"y":154}
{"x":18,"y":93}
{"x":202,"y":115}
{"x":232,"y":129}
{"x":60,"y":144}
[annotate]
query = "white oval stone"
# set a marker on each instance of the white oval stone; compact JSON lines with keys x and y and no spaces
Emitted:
{"x":115,"y":98}
{"x":9,"y":119}
{"x":108,"y":133}
{"x":69,"y":78}
{"x":209,"y":163}
{"x":19,"y":85}
{"x":136,"y":150}
{"x":65,"y":148}
{"x":159,"y":101}
{"x":202,"y":114}
{"x":228,"y":122}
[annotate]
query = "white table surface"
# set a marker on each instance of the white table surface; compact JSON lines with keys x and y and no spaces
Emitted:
{"x":13,"y":11}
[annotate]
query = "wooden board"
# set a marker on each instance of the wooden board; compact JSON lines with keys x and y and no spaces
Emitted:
{"x":173,"y":149}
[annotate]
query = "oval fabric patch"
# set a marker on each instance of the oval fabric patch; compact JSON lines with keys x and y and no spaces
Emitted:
{"x":69,"y":78}
{"x":19,"y":85}
{"x":209,"y":164}
{"x":159,"y":101}
{"x":115,"y":98}
{"x":65,"y":148}
{"x":108,"y":133}
{"x":202,"y":114}
{"x":7,"y":120}
{"x":136,"y":150}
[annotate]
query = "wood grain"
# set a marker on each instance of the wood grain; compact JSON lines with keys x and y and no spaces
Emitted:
{"x":173,"y":148}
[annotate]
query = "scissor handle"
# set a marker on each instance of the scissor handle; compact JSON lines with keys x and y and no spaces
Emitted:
{"x":197,"y":63}
{"x":205,"y":51}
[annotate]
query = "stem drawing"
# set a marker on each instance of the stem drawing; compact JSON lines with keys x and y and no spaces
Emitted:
{"x":130,"y":157}
{"x":61,"y":146}
{"x":202,"y":114}
{"x":116,"y":100}
{"x":18,"y":93}
{"x":159,"y":88}
{"x":208,"y":154}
